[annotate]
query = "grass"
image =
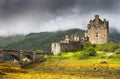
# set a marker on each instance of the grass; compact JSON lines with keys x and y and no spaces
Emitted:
{"x":75,"y":57}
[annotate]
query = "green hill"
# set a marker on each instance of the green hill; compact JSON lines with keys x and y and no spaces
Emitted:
{"x":114,"y":35}
{"x":9,"y":39}
{"x":43,"y":40}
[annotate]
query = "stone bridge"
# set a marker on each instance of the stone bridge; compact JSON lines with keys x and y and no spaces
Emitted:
{"x":19,"y":55}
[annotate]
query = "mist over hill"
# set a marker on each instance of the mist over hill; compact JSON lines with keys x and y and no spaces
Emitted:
{"x":114,"y":35}
{"x":43,"y":40}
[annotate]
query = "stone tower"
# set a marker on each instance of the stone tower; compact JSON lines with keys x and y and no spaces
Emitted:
{"x":98,"y":31}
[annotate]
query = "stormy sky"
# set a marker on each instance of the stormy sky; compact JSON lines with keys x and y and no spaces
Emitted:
{"x":25,"y":16}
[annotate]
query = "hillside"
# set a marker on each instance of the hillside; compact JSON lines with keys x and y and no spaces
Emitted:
{"x":10,"y":39}
{"x":43,"y":40}
{"x":114,"y":35}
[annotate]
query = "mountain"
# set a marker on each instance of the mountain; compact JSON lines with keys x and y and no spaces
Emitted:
{"x":43,"y":40}
{"x":9,"y":39}
{"x":114,"y":35}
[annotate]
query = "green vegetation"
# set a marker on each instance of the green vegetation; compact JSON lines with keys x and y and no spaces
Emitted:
{"x":43,"y":40}
{"x":10,"y":39}
{"x":91,"y":53}
{"x":110,"y":47}
{"x":79,"y":56}
{"x":87,"y":53}
{"x":39,"y":51}
{"x":114,"y":35}
{"x":38,"y":41}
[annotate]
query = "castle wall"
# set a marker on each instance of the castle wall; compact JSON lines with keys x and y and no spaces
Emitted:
{"x":67,"y":44}
{"x":55,"y":48}
{"x":98,"y":36}
{"x":65,"y":47}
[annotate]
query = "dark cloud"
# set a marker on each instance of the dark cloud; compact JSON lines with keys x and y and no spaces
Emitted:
{"x":16,"y":6}
{"x":34,"y":13}
{"x":99,"y":4}
{"x":56,"y":6}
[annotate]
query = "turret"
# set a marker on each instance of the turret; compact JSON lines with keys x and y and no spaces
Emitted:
{"x":96,"y":20}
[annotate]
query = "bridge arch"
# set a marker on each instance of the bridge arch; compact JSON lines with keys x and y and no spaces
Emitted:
{"x":27,"y":59}
{"x":14,"y":57}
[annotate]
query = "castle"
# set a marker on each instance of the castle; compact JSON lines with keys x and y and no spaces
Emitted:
{"x":69,"y":43}
{"x":97,"y":33}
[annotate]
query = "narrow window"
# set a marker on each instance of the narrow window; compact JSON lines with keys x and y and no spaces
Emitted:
{"x":96,"y":34}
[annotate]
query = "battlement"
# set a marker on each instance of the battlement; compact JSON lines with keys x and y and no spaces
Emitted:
{"x":72,"y":38}
{"x":97,"y":23}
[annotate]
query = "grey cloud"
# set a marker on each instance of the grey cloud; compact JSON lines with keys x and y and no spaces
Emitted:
{"x":10,"y":7}
{"x":15,"y":6}
{"x":35,"y":13}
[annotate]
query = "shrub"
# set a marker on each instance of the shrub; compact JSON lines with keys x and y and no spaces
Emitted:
{"x":83,"y":56}
{"x":66,"y":50}
{"x":39,"y":50}
{"x":110,"y":47}
{"x":59,"y":54}
{"x":87,"y":53}
{"x":87,"y":45}
{"x":91,"y":52}
{"x":117,"y":51}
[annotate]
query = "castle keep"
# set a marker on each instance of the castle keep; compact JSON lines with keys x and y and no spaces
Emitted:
{"x":97,"y":31}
